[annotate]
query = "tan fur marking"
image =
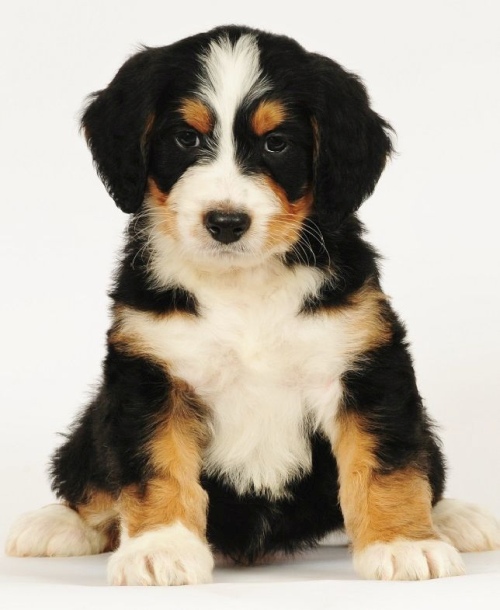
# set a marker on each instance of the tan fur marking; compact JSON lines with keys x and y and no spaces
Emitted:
{"x":367,"y":325}
{"x":157,"y":196}
{"x":160,"y":211}
{"x":269,"y":114}
{"x":100,"y":511}
{"x":119,"y":335}
{"x":378,"y":507}
{"x":285,"y":226}
{"x":174,"y":492}
{"x":197,"y":115}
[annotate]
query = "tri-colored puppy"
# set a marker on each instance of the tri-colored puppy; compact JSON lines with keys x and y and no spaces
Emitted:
{"x":258,"y":391}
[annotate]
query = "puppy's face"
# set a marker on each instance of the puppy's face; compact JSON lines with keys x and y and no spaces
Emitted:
{"x":230,"y":168}
{"x":231,"y":142}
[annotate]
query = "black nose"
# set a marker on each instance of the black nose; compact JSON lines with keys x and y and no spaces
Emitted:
{"x":227,"y":227}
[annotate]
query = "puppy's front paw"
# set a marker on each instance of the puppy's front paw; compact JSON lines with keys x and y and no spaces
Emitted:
{"x":169,"y":555}
{"x":408,"y":560}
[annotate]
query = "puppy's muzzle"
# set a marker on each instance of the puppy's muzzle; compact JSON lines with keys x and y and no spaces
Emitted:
{"x":227,"y":227}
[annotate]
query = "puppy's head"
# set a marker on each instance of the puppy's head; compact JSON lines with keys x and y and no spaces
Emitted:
{"x":228,"y":141}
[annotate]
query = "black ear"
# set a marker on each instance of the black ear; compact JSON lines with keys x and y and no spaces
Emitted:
{"x":116,"y":124}
{"x":352,"y":142}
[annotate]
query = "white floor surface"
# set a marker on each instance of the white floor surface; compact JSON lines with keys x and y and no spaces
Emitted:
{"x":323,"y":578}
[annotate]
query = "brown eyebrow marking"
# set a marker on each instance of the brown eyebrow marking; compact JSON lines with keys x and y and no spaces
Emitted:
{"x":269,"y":114}
{"x":197,"y":115}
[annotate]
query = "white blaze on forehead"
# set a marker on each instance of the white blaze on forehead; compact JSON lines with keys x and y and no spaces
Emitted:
{"x":232,"y":75}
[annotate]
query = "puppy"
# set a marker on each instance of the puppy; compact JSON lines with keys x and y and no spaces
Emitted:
{"x":257,"y":392}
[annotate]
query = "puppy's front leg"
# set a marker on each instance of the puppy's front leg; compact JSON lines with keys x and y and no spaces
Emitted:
{"x":387,"y":511}
{"x":163,"y":520}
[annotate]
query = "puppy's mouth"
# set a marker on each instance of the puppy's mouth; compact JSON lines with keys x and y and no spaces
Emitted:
{"x":238,"y":253}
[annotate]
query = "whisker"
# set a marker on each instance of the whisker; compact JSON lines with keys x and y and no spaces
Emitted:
{"x":307,"y":231}
{"x":307,"y":228}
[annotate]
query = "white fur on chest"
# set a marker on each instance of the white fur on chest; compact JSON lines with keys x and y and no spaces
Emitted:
{"x":268,"y":373}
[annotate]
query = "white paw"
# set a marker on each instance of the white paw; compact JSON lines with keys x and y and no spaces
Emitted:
{"x":169,"y":555}
{"x":408,"y":560}
{"x":54,"y":530}
{"x":466,"y":526}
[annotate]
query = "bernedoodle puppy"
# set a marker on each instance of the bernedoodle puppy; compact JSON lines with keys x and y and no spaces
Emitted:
{"x":258,"y":391}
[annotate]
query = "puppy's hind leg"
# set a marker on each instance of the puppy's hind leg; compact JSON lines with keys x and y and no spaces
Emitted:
{"x":58,"y":530}
{"x":466,"y":526}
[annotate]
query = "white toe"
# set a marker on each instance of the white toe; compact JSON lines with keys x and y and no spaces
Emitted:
{"x":408,"y":560}
{"x":169,"y":555}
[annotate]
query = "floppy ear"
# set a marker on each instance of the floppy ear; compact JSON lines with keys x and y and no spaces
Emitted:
{"x":116,"y":124}
{"x":352,"y":142}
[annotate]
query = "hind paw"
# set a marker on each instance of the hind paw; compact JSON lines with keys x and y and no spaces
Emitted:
{"x":466,"y":526}
{"x":54,"y":530}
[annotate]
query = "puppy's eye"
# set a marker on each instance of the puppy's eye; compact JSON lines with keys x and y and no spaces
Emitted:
{"x":275,"y":144}
{"x":188,"y":139}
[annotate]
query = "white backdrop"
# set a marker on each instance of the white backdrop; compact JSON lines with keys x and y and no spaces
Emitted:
{"x":432,"y":69}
